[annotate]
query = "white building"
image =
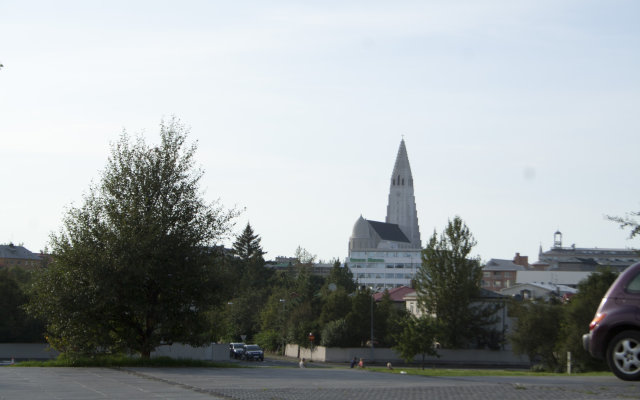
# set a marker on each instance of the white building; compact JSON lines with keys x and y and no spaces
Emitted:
{"x":385,"y":255}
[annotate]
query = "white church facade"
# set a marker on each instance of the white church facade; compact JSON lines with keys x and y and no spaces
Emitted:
{"x":386,"y":255}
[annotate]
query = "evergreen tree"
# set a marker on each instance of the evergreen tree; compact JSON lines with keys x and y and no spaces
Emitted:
{"x":247,"y":245}
{"x":448,"y":283}
{"x":342,"y":277}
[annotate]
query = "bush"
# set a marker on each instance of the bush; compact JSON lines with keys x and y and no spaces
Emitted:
{"x":336,"y":334}
{"x":269,"y":340}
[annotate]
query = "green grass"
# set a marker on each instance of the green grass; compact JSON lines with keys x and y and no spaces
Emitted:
{"x":475,"y":372}
{"x":124,"y":361}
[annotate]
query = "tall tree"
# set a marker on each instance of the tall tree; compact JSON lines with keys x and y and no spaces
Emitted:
{"x":342,"y":277}
{"x":247,"y":245}
{"x":578,"y":313}
{"x":536,"y":332}
{"x":447,"y":283}
{"x":131,"y":266}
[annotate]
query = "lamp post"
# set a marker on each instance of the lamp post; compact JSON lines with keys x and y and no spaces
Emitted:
{"x":283,"y":301}
{"x":371,"y":336}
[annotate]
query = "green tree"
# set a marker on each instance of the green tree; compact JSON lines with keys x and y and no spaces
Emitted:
{"x":342,"y":277}
{"x":628,"y":221}
{"x":247,"y":246}
{"x":304,"y":256}
{"x":578,"y":313}
{"x":417,"y":336}
{"x":15,"y":324}
{"x":130,"y":266}
{"x":447,"y":285}
{"x":359,"y":318}
{"x":537,"y":331}
{"x":388,"y":320}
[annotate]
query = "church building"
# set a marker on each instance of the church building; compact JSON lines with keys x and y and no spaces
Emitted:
{"x":386,"y":255}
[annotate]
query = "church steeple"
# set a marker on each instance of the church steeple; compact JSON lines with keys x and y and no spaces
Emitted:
{"x":401,"y":208}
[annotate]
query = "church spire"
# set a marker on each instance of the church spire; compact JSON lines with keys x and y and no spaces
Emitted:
{"x":401,"y":208}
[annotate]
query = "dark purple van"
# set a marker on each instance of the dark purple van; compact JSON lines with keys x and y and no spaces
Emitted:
{"x":614,"y":333}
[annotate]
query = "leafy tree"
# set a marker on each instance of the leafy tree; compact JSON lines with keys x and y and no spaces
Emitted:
{"x":577,"y":316}
{"x":448,"y":282}
{"x":336,"y":334}
{"x":247,"y":245}
{"x":15,"y":325}
{"x":131,"y":267}
{"x":359,"y":318}
{"x":388,"y":320}
{"x":304,"y":256}
{"x":336,"y":305}
{"x":342,"y":277}
{"x":537,"y":331}
{"x":418,"y":336}
{"x":628,"y":221}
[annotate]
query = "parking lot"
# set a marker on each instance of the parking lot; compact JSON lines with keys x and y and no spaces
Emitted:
{"x":267,"y":382}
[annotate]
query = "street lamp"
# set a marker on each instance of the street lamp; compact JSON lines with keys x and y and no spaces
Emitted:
{"x":371,"y":295}
{"x":283,"y":301}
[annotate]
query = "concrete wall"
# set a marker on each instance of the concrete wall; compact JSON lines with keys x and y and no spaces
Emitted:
{"x":212,"y":352}
{"x":41,"y":351}
{"x":26,"y":351}
{"x":384,"y":355}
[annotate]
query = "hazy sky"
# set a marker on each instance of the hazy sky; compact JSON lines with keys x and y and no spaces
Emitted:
{"x":521,"y":117}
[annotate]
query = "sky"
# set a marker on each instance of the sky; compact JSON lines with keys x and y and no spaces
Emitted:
{"x":521,"y":117}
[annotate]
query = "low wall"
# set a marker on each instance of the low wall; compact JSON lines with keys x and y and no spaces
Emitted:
{"x":212,"y":352}
{"x":27,"y":351}
{"x":458,"y":358}
{"x":42,"y":351}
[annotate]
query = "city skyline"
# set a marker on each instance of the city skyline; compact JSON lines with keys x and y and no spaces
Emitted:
{"x":521,"y":119}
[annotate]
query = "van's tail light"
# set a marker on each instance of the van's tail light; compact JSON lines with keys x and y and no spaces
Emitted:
{"x":596,"y":320}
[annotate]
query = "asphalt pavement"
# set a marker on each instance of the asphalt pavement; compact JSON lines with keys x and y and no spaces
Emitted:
{"x":269,"y":381}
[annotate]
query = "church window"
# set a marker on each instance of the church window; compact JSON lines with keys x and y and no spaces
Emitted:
{"x":402,"y":181}
{"x":394,"y":182}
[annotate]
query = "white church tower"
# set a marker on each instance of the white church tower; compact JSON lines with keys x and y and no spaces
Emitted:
{"x":401,"y":208}
{"x":386,"y":255}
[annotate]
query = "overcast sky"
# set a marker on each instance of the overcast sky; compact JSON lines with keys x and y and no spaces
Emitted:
{"x":521,"y":117}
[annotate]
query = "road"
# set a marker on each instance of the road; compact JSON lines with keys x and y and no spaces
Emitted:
{"x":268,"y":382}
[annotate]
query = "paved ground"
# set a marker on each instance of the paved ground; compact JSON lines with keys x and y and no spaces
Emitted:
{"x":292,"y":383}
